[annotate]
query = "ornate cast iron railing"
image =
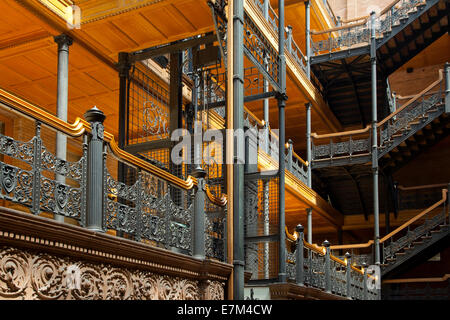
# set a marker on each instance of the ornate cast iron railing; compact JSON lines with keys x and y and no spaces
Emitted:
{"x":157,"y":207}
{"x":404,"y":236}
{"x":417,"y":289}
{"x":350,"y":144}
{"x":291,"y":46}
{"x":259,"y":50}
{"x":261,"y":227}
{"x":406,"y":117}
{"x":313,"y":266}
{"x":30,"y":180}
{"x":414,"y":111}
{"x":357,"y":31}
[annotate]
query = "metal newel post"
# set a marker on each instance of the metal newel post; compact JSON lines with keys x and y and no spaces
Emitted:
{"x":348,"y":275}
{"x":290,"y":154}
{"x":326,"y":244}
{"x":300,"y":257}
{"x":199,"y":214}
{"x":447,"y":86}
{"x":365,"y":293}
{"x":289,"y":38}
{"x":94,"y":207}
{"x":266,"y":9}
{"x":309,"y":224}
{"x":373,"y":59}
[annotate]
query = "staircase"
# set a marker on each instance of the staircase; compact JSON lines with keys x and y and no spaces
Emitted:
{"x":407,"y":125}
{"x":407,"y":245}
{"x":417,"y":239}
{"x":342,"y":61}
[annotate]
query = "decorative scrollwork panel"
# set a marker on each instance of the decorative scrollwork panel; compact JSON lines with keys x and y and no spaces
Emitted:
{"x":33,"y":275}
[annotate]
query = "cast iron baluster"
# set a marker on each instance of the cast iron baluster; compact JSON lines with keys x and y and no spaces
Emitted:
{"x":139,"y":205}
{"x":37,"y":170}
{"x":83,"y":182}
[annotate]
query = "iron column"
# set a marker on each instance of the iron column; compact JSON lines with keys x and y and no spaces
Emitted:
{"x":238,"y":170}
{"x":308,"y":159}
{"x":281,"y":152}
{"x":373,"y":61}
{"x":63,"y":42}
{"x":308,"y":37}
{"x":124,"y":68}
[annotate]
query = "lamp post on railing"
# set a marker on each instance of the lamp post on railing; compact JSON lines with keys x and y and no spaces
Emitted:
{"x":300,"y":258}
{"x":326,"y":244}
{"x":348,"y":271}
{"x":94,"y":206}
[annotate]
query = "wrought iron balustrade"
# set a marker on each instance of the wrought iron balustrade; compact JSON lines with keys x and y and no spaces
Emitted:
{"x":259,"y":50}
{"x":261,"y":226}
{"x":413,"y":112}
{"x":312,"y":266}
{"x":414,"y":232}
{"x":151,"y":206}
{"x":347,"y":144}
{"x":357,"y":31}
{"x":291,"y":46}
{"x":417,"y":289}
{"x":29,"y":170}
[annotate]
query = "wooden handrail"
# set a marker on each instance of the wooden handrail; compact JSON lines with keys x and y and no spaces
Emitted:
{"x":399,"y":97}
{"x":340,"y":134}
{"x":397,"y":230}
{"x":315,"y":32}
{"x":417,"y":217}
{"x":352,"y":246}
{"x":81,"y":126}
{"x":445,"y":277}
{"x":379,"y":124}
{"x":417,"y":96}
{"x":319,"y":250}
{"x":389,"y":7}
{"x":354,"y":19}
{"x":428,"y":186}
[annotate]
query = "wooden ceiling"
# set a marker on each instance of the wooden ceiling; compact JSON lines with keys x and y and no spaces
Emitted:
{"x":28,"y":55}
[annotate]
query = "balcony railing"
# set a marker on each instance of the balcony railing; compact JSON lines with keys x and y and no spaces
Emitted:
{"x":405,"y":235}
{"x":357,"y":31}
{"x":291,"y":46}
{"x":152,"y":206}
{"x":350,"y":145}
{"x":313,"y":266}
